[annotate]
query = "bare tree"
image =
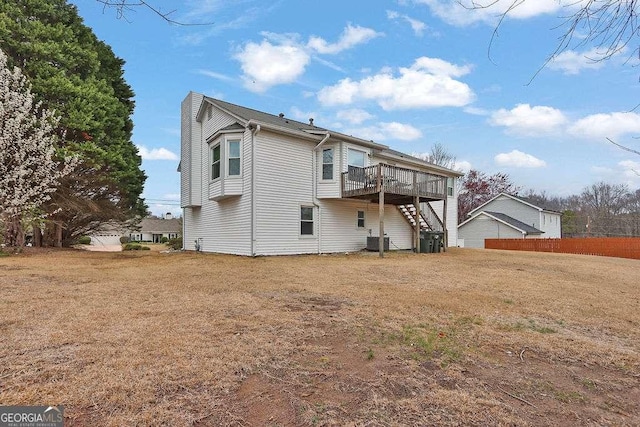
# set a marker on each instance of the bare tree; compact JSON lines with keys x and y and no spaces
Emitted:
{"x":123,"y":7}
{"x":608,"y":25}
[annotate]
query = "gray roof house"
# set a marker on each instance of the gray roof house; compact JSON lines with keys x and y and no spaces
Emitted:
{"x":506,"y":216}
{"x":154,"y":229}
{"x":254,"y":183}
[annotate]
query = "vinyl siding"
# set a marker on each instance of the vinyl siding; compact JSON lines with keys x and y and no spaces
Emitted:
{"x":515,"y":209}
{"x":190,"y":160}
{"x":340,"y":232}
{"x":328,"y":189}
{"x":191,"y":217}
{"x":224,"y":226}
{"x":483,"y":227}
{"x":284,"y":183}
{"x":551,"y":225}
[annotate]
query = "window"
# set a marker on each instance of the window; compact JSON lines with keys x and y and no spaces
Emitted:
{"x":450,"y":187}
{"x":209,"y":112}
{"x":356,"y":158}
{"x":215,"y":162}
{"x":360,"y":219}
{"x":355,"y":167}
{"x":234,"y":157}
{"x":306,"y":221}
{"x":327,"y":163}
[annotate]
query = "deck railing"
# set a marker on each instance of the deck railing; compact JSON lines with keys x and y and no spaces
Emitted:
{"x":395,"y":180}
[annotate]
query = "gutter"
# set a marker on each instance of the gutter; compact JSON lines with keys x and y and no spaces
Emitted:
{"x":254,"y":132}
{"x":316,"y":202}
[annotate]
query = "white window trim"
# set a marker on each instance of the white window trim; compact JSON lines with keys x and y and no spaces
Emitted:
{"x":364,"y":218}
{"x":333,"y":163}
{"x":223,"y":142}
{"x":364,"y":157}
{"x":212,"y":146}
{"x":228,"y":140}
{"x":313,"y":210}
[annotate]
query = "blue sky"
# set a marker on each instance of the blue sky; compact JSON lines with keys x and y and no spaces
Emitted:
{"x":406,"y":73}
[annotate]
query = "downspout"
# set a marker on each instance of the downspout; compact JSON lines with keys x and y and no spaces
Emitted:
{"x":316,"y":202}
{"x":254,"y":132}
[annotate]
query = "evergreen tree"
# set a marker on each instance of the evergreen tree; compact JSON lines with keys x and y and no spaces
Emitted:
{"x":73,"y":72}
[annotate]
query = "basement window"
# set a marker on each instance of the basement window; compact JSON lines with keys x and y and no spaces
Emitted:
{"x":306,"y":221}
{"x":360,"y":219}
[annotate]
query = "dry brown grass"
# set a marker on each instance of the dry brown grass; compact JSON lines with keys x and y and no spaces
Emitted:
{"x":462,"y":338}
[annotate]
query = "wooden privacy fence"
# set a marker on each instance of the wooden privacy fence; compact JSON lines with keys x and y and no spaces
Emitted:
{"x":620,"y":247}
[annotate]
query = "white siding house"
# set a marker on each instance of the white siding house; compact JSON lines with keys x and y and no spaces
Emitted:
{"x":508,"y":216}
{"x":253,"y":183}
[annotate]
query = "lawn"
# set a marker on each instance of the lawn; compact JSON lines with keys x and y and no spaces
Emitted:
{"x":468,"y":337}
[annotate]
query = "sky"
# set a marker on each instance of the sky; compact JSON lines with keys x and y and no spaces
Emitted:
{"x":404,"y":73}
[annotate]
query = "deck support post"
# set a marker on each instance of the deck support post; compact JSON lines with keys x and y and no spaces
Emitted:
{"x":380,"y":183}
{"x":416,"y":203}
{"x":444,"y":220}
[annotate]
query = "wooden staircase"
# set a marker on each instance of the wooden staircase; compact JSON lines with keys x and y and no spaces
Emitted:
{"x":430,"y":222}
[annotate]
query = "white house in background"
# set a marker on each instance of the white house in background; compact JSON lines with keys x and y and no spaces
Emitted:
{"x":154,"y":229}
{"x":508,"y":217}
{"x":254,"y":183}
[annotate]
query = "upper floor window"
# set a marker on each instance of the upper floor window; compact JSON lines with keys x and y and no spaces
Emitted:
{"x":234,"y":157}
{"x":450,"y":186}
{"x":215,"y":162}
{"x":327,"y":163}
{"x":356,"y":158}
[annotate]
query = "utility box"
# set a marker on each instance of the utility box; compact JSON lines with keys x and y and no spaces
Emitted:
{"x":373,"y":243}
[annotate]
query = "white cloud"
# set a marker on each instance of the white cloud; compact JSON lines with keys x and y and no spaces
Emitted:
{"x":476,"y":111}
{"x":631,"y":169}
{"x":612,"y":125}
{"x":156,"y":153}
{"x":171,"y":196}
{"x":215,"y":75}
{"x":571,"y":62}
{"x":354,"y":116}
{"x":519,"y":159}
{"x":524,"y":119}
{"x":383,"y":131}
{"x":351,"y":36}
{"x":462,"y":165}
{"x":418,"y":27}
{"x":429,"y":82}
{"x":265,"y":64}
{"x":463,"y":12}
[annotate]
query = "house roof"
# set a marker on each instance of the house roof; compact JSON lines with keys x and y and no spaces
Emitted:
{"x":506,"y":220}
{"x":244,"y":115}
{"x":159,"y":225}
{"x":516,"y":198}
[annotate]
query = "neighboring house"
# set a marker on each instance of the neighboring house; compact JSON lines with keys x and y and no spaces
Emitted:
{"x":506,"y":217}
{"x":107,"y":234}
{"x":253,"y":183}
{"x":154,"y":229}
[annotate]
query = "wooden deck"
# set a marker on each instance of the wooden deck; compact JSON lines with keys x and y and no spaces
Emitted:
{"x":400,"y":185}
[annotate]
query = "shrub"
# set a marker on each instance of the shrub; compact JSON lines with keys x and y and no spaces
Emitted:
{"x":135,"y":247}
{"x":175,"y":243}
{"x":84,"y":240}
{"x":164,"y":239}
{"x":124,"y":239}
